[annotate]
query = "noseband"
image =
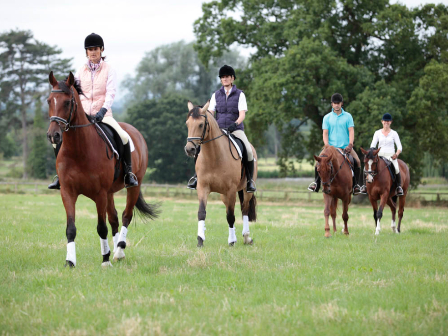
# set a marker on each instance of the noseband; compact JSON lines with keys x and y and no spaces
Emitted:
{"x":63,"y":123}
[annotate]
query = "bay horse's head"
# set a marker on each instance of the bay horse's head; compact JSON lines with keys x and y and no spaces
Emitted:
{"x":370,"y":163}
{"x":198,"y":127}
{"x":325,"y":170}
{"x":62,"y":107}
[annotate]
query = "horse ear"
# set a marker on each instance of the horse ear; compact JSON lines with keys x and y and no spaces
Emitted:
{"x":318,"y":159}
{"x":190,"y":106}
{"x":375,"y":152}
{"x":52,"y":80}
{"x":205,"y":108}
{"x":70,"y":80}
{"x":363,"y":150}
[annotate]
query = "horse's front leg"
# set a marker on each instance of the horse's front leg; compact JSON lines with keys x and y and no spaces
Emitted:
{"x":69,"y":200}
{"x":202,"y":197}
{"x":229,"y":200}
{"x":101,"y":204}
{"x":113,"y":219}
{"x":379,"y":214}
{"x":333,"y":207}
{"x":345,"y":216}
{"x":328,"y":200}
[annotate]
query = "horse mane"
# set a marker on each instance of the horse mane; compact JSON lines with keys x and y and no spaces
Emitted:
{"x":333,"y":151}
{"x":64,"y":87}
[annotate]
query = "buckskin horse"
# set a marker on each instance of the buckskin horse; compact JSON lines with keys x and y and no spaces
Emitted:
{"x":380,"y":186}
{"x":337,"y":183}
{"x":220,"y":170}
{"x":84,"y":169}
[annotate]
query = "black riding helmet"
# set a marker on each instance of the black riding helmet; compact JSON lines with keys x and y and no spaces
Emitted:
{"x":93,"y":40}
{"x":387,"y":117}
{"x":226,"y":70}
{"x":337,"y":98}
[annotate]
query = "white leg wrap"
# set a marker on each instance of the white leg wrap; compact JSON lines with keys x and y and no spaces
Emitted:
{"x":104,"y":246}
{"x":71,"y":253}
{"x":123,"y":233}
{"x":115,"y":238}
{"x":378,"y":227}
{"x":232,"y":235}
{"x":245,"y":224}
{"x":201,"y":229}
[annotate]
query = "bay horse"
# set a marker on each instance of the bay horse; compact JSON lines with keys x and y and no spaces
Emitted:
{"x":337,"y":183}
{"x":380,"y":186}
{"x":219,"y":169}
{"x":84,"y":169}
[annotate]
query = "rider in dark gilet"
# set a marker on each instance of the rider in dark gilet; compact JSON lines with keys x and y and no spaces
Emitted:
{"x":230,"y":106}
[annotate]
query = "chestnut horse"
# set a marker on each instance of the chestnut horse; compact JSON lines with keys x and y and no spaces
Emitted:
{"x":380,"y":187}
{"x":219,"y":169}
{"x":84,"y":169}
{"x":337,"y":181}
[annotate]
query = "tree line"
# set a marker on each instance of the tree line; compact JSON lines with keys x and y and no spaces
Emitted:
{"x":381,"y":57}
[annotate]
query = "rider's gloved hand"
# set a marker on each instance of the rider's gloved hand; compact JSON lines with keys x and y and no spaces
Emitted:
{"x":348,"y":149}
{"x":232,"y":127}
{"x":100,"y":115}
{"x":394,"y":156}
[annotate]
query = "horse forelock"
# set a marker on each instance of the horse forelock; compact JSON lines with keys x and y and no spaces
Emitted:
{"x":195,"y":113}
{"x":370,"y":154}
{"x":64,"y":87}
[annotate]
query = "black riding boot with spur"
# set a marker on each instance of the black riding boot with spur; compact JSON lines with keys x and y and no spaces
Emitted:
{"x":250,"y":174}
{"x":130,"y":180}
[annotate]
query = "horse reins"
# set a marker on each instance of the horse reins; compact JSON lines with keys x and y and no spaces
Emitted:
{"x":63,"y":121}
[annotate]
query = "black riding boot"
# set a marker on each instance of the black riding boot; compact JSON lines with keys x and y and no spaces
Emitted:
{"x":399,"y":188}
{"x":193,"y":182}
{"x":250,"y":174}
{"x":363,"y":187}
{"x":55,"y":184}
{"x":356,"y":187}
{"x":130,"y":180}
{"x":315,"y":186}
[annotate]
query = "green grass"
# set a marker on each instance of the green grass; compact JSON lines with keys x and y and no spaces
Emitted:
{"x":291,"y":281}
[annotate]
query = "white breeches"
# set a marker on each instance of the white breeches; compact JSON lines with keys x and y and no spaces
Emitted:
{"x":240,"y":135}
{"x":389,"y":157}
{"x":113,"y":123}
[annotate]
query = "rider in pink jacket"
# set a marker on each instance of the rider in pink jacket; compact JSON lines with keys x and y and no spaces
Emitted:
{"x":98,"y":83}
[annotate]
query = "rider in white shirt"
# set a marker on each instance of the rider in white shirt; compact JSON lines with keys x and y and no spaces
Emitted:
{"x":387,"y":139}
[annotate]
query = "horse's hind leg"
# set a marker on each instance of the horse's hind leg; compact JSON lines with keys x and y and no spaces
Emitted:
{"x":248,"y":210}
{"x":101,"y":205}
{"x":401,"y":203}
{"x":113,"y":219}
{"x":333,"y":207}
{"x":393,"y":209}
{"x":131,"y":200}
{"x":229,"y":200}
{"x":345,"y":216}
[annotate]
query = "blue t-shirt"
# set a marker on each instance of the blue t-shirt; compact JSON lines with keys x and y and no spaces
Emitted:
{"x":337,"y":126}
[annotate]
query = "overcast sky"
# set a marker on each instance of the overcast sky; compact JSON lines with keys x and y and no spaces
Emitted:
{"x":129,"y":28}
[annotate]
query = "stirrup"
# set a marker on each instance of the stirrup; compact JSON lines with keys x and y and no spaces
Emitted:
{"x":310,"y":187}
{"x":251,"y":187}
{"x":363,"y":190}
{"x":131,"y":183}
{"x":55,"y":184}
{"x":356,"y":190}
{"x":192,"y":183}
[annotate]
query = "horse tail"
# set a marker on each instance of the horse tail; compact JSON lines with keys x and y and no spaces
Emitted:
{"x":252,"y":209}
{"x":145,"y":210}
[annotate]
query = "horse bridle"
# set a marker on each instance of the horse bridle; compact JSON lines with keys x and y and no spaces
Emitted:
{"x":201,"y":138}
{"x":372,"y":173}
{"x":73,"y":107}
{"x":331,"y":171}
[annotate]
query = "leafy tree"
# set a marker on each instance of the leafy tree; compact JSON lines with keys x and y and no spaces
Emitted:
{"x":24,"y":67}
{"x":175,"y":68}
{"x":371,"y":52}
{"x":162,"y":124}
{"x":37,"y":160}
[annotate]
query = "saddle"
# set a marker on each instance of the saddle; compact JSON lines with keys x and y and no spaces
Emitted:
{"x":240,"y":148}
{"x":350,"y":160}
{"x":389,"y":167}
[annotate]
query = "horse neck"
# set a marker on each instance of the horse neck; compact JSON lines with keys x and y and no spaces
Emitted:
{"x":216,"y":148}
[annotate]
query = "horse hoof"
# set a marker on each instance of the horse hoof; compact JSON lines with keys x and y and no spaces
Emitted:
{"x":394,"y":229}
{"x":69,"y":264}
{"x":247,"y":240}
{"x":200,"y":242}
{"x":232,"y":244}
{"x":119,"y":254}
{"x":106,"y":264}
{"x":377,"y":233}
{"x":347,"y":233}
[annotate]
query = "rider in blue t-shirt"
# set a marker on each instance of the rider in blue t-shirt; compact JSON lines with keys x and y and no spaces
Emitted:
{"x":338,"y":131}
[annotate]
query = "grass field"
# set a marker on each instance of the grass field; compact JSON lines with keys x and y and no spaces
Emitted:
{"x":291,"y":281}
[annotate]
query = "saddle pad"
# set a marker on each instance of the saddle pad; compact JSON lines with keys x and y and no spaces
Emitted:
{"x":346,"y":158}
{"x":389,"y":167}
{"x":238,"y":149}
{"x":111,"y":143}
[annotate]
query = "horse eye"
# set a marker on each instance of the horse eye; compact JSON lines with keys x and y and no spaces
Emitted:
{"x":201,"y":125}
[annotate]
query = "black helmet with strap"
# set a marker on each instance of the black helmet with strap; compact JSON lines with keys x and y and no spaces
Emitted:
{"x":226,"y":70}
{"x":93,"y":40}
{"x":387,"y":117}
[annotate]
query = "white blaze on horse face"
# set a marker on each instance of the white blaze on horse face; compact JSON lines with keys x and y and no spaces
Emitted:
{"x":54,"y":98}
{"x":369,"y":177}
